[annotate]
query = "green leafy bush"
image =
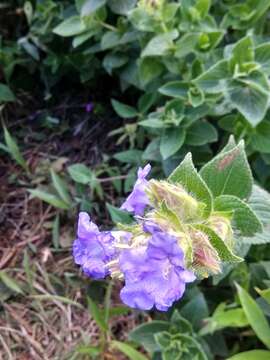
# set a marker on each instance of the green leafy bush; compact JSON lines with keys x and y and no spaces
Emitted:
{"x":212,"y":58}
{"x":202,"y":65}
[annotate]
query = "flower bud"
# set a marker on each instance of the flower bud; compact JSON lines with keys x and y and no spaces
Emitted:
{"x":150,"y":6}
{"x":176,"y":198}
{"x":205,"y":257}
{"x":222,"y":226}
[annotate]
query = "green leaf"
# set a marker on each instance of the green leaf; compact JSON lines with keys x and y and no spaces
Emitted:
{"x":114,"y":61}
{"x":255,"y":316}
{"x":243,"y":216}
{"x":177,"y":89}
{"x":201,"y":133}
{"x":250,"y":96}
{"x":56,"y":232}
{"x":91,"y":6}
{"x":224,"y":252}
{"x":119,"y":216}
{"x":121,"y":7}
{"x":252,"y":355}
{"x":180,"y":323}
{"x":14,"y":150}
{"x":203,"y":6}
{"x":144,"y":334}
{"x":82,"y":38}
{"x":119,"y":310}
{"x":196,"y":96}
{"x":128,"y":350}
{"x":97,"y":314}
{"x":262,"y":56}
{"x":132,"y":156}
{"x":229,"y":173}
{"x":260,"y":203}
{"x":10,"y":282}
{"x":242,"y":52}
{"x":80,"y":173}
{"x":152,"y":153}
{"x":30,"y":48}
{"x":195,"y":311}
{"x":171,"y":141}
{"x":223,"y":318}
{"x":109,"y":40}
{"x":4,"y":147}
{"x":231,"y":144}
{"x":142,"y":20}
{"x":186,"y":175}
{"x":152,"y":123}
{"x":265,"y":294}
{"x":171,"y":346}
{"x":123,"y":110}
{"x":213,"y":79}
{"x":146,"y":101}
{"x":70,"y":27}
{"x":62,"y":299}
{"x":61,"y":187}
{"x":149,"y":69}
{"x":186,"y":44}
{"x":6,"y":94}
{"x":260,"y":139}
{"x":261,"y":7}
{"x":49,"y":198}
{"x":160,"y":44}
{"x":89,"y":350}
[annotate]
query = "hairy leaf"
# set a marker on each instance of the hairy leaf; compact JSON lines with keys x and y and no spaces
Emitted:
{"x":187,"y":176}
{"x":229,"y":173}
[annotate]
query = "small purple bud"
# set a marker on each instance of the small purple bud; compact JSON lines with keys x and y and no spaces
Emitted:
{"x":138,"y":200}
{"x":89,"y":107}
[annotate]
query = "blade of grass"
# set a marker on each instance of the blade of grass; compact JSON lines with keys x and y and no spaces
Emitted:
{"x":61,"y":187}
{"x":128,"y":350}
{"x":14,"y":150}
{"x":62,"y":299}
{"x":97,"y":315}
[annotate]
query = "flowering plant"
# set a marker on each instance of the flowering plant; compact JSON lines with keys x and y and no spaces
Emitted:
{"x":185,"y":228}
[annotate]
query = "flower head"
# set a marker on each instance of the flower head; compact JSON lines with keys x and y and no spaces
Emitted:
{"x":92,"y":248}
{"x":154,"y":274}
{"x":138,"y":199}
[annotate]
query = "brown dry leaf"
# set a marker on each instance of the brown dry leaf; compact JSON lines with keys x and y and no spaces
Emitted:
{"x":66,"y":237}
{"x":58,"y":164}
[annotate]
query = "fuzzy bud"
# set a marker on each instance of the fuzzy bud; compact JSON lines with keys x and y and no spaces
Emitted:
{"x":176,"y":198}
{"x":150,"y":6}
{"x":222,"y":226}
{"x":205,"y":257}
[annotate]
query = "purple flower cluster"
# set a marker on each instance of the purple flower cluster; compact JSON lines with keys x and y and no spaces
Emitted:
{"x":152,"y":263}
{"x":154,"y":274}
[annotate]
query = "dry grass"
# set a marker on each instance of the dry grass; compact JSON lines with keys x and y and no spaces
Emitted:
{"x":43,"y":312}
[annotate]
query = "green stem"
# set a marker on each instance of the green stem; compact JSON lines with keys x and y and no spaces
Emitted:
{"x":105,"y":337}
{"x":108,"y":26}
{"x":107,"y":301}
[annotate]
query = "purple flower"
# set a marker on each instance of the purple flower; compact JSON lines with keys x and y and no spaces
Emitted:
{"x":154,"y":274}
{"x":89,"y":107}
{"x":138,"y":200}
{"x":92,"y":248}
